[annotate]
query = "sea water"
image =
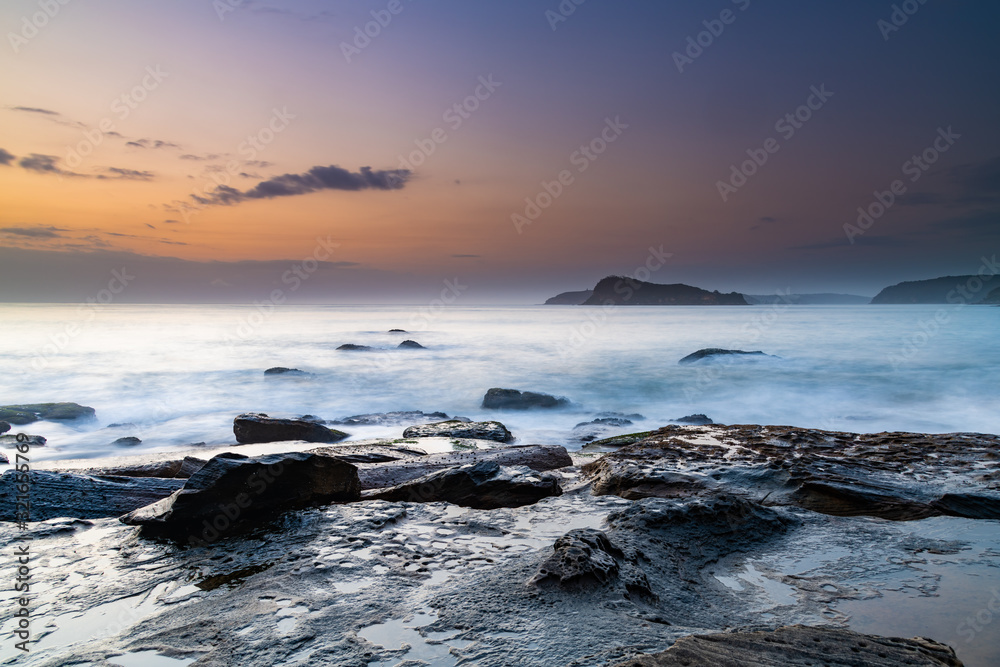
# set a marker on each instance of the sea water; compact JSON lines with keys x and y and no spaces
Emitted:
{"x":177,"y":375}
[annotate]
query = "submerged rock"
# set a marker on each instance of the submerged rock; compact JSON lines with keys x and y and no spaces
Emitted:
{"x":799,"y":646}
{"x":595,"y":428}
{"x":4,"y":427}
{"x":695,"y":420}
{"x":255,"y":427}
{"x":232,"y":492}
{"x":392,"y":418}
{"x":711,"y":352}
{"x":490,"y":430}
{"x":411,"y":344}
{"x":397,"y":331}
{"x":32,"y":412}
{"x":482,"y":485}
{"x":281,"y":370}
{"x":30,"y":440}
{"x":127,"y":441}
{"x":56,"y":494}
{"x":512,"y":399}
{"x":355,"y":348}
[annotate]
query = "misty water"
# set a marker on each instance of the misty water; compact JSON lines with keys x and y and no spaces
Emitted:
{"x":179,"y":374}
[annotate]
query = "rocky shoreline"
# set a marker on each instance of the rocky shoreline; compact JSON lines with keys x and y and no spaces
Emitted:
{"x":690,"y":544}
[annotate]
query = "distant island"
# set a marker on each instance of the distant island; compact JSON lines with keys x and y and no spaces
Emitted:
{"x":570,"y":298}
{"x":619,"y":290}
{"x":936,"y":290}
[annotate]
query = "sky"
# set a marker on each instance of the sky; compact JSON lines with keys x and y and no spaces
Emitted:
{"x":380,"y":152}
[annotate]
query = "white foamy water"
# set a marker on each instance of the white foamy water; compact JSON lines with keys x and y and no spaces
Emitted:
{"x":181,"y":373}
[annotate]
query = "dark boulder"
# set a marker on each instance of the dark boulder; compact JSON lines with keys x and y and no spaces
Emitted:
{"x":127,"y":441}
{"x":253,"y":427}
{"x":712,"y":352}
{"x":4,"y":427}
{"x":582,"y":558}
{"x":411,"y":345}
{"x":968,"y":505}
{"x":60,"y":494}
{"x":484,"y":485}
{"x":799,"y":646}
{"x":695,"y":420}
{"x":351,"y":347}
{"x":512,"y":399}
{"x":598,"y":428}
{"x":397,"y":331}
{"x":32,"y":412}
{"x":490,"y":430}
{"x":174,"y":469}
{"x":31,"y":440}
{"x":232,"y":492}
{"x":281,"y":370}
{"x":393,"y":418}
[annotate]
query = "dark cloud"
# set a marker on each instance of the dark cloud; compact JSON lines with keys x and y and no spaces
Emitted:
{"x":314,"y":180}
{"x":43,"y":164}
{"x":150,"y":226}
{"x":152,"y":143}
{"x":172,"y":222}
{"x":200,"y":158}
{"x":118,"y":173}
{"x":5,"y":157}
{"x":42,"y":231}
{"x":46,"y":112}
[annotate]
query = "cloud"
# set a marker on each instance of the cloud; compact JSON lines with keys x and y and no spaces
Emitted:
{"x":47,"y":112}
{"x":54,"y":116}
{"x":118,"y":173}
{"x":41,"y":231}
{"x":967,"y":185}
{"x":49,"y":164}
{"x":316,"y":179}
{"x":43,"y":164}
{"x":152,"y":143}
{"x":172,"y":222}
{"x":5,"y":157}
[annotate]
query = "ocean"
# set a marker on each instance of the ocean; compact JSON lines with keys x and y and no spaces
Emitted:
{"x":177,"y":375}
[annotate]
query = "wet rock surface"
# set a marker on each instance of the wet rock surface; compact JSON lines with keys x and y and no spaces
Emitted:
{"x":514,"y":399}
{"x":255,"y":427}
{"x":281,"y":370}
{"x":490,"y":430}
{"x":353,"y":347}
{"x":392,"y":418}
{"x":694,"y":420}
{"x":715,"y":352}
{"x":799,"y":646}
{"x":32,"y":412}
{"x":411,"y":345}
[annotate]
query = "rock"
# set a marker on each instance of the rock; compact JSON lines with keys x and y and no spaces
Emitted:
{"x":4,"y":427}
{"x":860,"y":499}
{"x":569,"y":298}
{"x":383,"y":475}
{"x":606,"y":444}
{"x":411,"y":344}
{"x":968,"y":506}
{"x":175,"y":469}
{"x":354,"y":348}
{"x":397,"y":331}
{"x":128,"y":441}
{"x":281,"y":370}
{"x":624,"y":478}
{"x":29,"y":413}
{"x":55,"y":494}
{"x":620,"y":290}
{"x":233,"y":492}
{"x":512,"y":399}
{"x":121,"y":425}
{"x":256,"y":427}
{"x":583,"y":558}
{"x":11,"y":441}
{"x":697,"y":420}
{"x":456,"y":429}
{"x":393,"y":418}
{"x":595,"y":428}
{"x":799,"y":646}
{"x":483,"y":485}
{"x":3,"y":458}
{"x":711,"y":352}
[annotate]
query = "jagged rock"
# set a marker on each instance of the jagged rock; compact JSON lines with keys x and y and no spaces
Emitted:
{"x":31,"y":440}
{"x":175,"y":469}
{"x":457,"y":429}
{"x":696,"y":420}
{"x":712,"y":352}
{"x":482,"y":485}
{"x":512,"y":399}
{"x":632,"y":481}
{"x":582,"y":558}
{"x":397,"y":331}
{"x":258,"y":427}
{"x":232,"y":492}
{"x":281,"y":370}
{"x":127,"y":441}
{"x":393,"y":418}
{"x":32,"y":412}
{"x":595,"y":428}
{"x":355,"y":348}
{"x":4,"y":427}
{"x":55,"y":494}
{"x":968,"y":505}
{"x":860,"y":499}
{"x":411,"y":344}
{"x":799,"y":646}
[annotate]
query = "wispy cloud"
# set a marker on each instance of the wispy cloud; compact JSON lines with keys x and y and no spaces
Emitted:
{"x":5,"y":157}
{"x":48,"y":114}
{"x":316,"y":179}
{"x":152,"y":143}
{"x":40,"y":231}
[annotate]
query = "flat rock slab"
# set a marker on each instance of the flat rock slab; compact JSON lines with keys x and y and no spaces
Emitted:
{"x":55,"y":494}
{"x":174,"y":469}
{"x":32,"y":412}
{"x":799,"y":646}
{"x":233,"y":491}
{"x":252,"y":427}
{"x":715,"y":352}
{"x":513,"y":399}
{"x":490,"y":430}
{"x":484,"y":485}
